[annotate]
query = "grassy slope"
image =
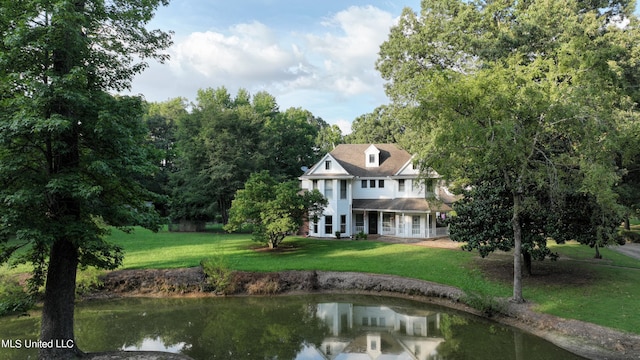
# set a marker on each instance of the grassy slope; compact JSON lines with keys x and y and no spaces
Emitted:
{"x":607,"y":296}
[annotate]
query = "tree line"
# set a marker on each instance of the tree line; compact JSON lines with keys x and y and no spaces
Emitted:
{"x":208,"y":149}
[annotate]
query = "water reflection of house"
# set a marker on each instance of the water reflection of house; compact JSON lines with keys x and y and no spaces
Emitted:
{"x":379,"y":333}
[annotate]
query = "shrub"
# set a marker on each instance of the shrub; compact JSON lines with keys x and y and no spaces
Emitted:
{"x":630,"y":236}
{"x":219,"y":274}
{"x":361,"y":236}
{"x":338,"y":234}
{"x":13,"y":298}
{"x":88,"y":280}
{"x":263,"y":286}
{"x":485,"y":303}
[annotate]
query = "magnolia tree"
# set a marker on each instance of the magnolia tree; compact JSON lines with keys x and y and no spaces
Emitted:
{"x":533,"y":93}
{"x":274,"y":209}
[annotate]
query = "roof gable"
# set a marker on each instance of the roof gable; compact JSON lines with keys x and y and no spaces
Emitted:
{"x":322,"y":168}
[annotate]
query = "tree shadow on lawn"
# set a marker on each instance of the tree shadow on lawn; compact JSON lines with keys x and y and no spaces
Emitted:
{"x":562,"y":272}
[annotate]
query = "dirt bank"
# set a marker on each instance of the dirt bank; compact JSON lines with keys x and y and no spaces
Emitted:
{"x":588,"y":340}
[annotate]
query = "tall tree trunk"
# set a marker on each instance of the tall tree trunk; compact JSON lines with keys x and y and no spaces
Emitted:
{"x":627,"y":223}
{"x":65,"y":209}
{"x":59,"y":297}
{"x":517,"y":249}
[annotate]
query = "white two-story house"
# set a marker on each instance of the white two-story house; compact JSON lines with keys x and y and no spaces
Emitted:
{"x":374,"y":189}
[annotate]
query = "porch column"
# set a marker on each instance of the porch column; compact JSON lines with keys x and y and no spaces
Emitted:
{"x":428,"y":225}
{"x":434,"y":224}
{"x":380,"y":232}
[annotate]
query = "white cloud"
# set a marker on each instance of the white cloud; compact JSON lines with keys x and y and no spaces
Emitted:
{"x":350,"y":53}
{"x":248,"y":53}
{"x":330,"y":71}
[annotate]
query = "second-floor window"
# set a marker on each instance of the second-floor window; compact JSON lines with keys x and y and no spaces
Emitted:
{"x":328,"y":189}
{"x":363,"y":184}
{"x":327,"y":165}
{"x":343,"y":189}
{"x":401,"y":185}
{"x":380,"y":183}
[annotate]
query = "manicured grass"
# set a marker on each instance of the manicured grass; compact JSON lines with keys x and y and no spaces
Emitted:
{"x":171,"y":250}
{"x":604,"y":292}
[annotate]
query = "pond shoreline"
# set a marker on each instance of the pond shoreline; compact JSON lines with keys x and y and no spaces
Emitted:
{"x":585,"y":339}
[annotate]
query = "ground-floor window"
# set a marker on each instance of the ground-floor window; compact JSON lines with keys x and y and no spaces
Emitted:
{"x":328,"y":224}
{"x":415,"y":225}
{"x":343,"y":223}
{"x":386,"y":222}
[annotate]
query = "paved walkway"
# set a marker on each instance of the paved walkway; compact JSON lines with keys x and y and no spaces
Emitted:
{"x":631,"y":249}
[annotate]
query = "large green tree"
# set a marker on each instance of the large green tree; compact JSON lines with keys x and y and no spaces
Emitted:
{"x":274,"y":209}
{"x":69,"y":151}
{"x":483,"y":222}
{"x":526,"y":91}
{"x":384,"y":125}
{"x":219,"y":145}
{"x":225,"y":139}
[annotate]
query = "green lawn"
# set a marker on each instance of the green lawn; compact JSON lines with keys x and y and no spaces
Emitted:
{"x":604,"y":292}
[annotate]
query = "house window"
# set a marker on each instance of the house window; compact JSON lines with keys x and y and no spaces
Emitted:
{"x":363,"y":184}
{"x":401,"y":185}
{"x":374,"y":321}
{"x":327,"y":165}
{"x":372,"y":183}
{"x":372,"y":158}
{"x":328,"y":224}
{"x":328,"y":189}
{"x":359,"y":223}
{"x":315,"y":227}
{"x":386,"y":223}
{"x":365,"y":321}
{"x":380,"y":183}
{"x":374,"y":345}
{"x":315,"y":184}
{"x":343,"y":223}
{"x":429,"y":191}
{"x":343,"y":189}
{"x":415,"y":226}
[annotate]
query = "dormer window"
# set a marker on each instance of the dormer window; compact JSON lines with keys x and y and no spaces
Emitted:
{"x":372,"y":156}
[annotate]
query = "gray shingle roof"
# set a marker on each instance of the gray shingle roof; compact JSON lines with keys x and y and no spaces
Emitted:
{"x":352,"y":159}
{"x":409,"y":204}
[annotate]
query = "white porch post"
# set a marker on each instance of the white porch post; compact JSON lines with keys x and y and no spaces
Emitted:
{"x":434,"y":225}
{"x":365,"y":221}
{"x":349,"y":224}
{"x":428,"y":225}
{"x":380,"y":232}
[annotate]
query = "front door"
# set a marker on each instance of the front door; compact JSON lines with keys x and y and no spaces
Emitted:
{"x":373,"y":222}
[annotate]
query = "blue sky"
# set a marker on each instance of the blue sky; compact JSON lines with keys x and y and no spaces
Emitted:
{"x":317,"y":55}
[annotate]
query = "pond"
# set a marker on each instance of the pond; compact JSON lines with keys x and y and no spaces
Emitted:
{"x":310,"y":327}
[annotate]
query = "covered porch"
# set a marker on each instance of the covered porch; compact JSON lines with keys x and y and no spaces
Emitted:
{"x":407,"y":218}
